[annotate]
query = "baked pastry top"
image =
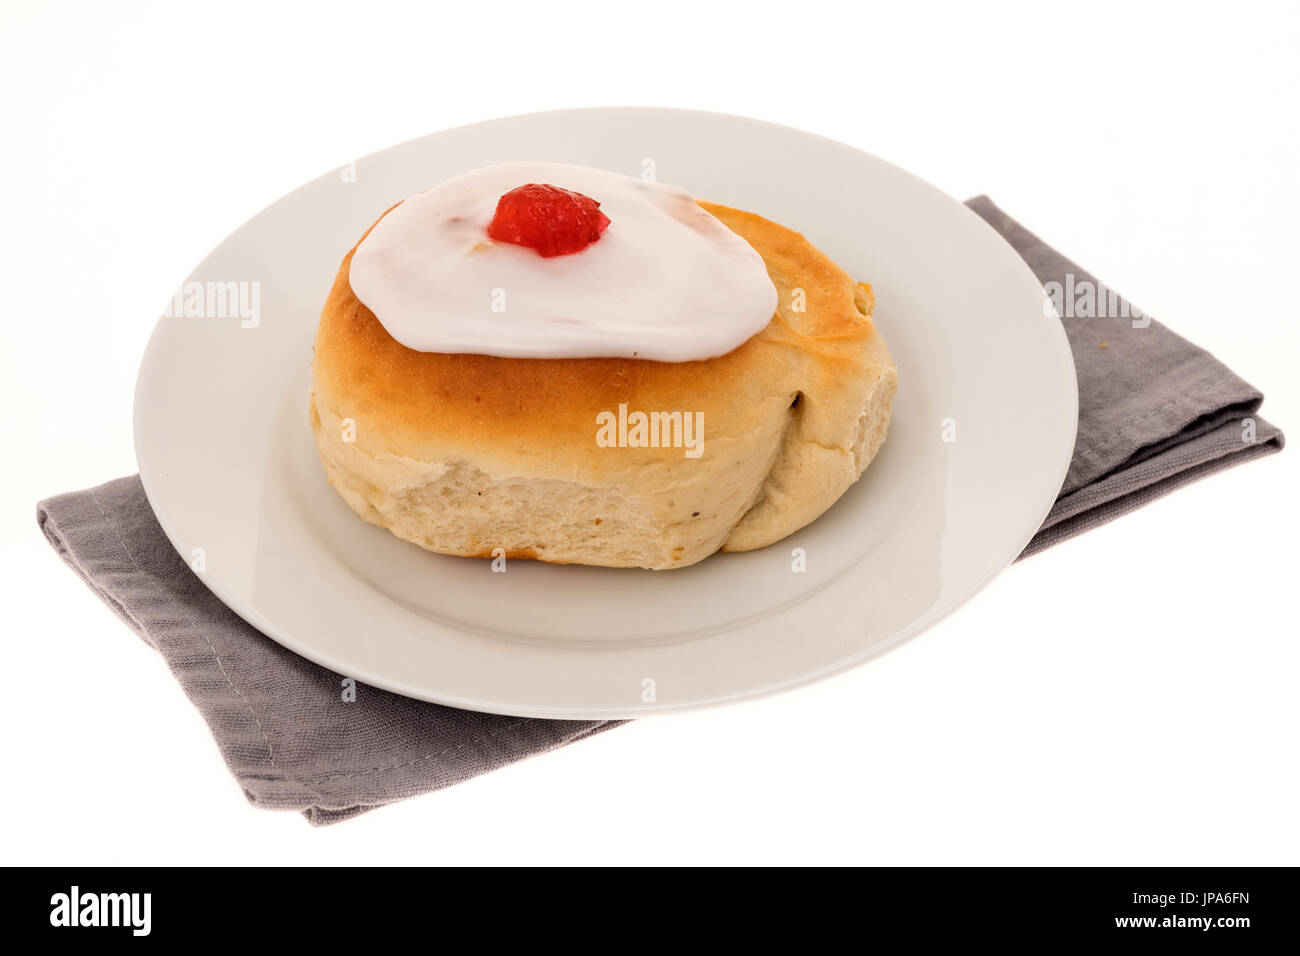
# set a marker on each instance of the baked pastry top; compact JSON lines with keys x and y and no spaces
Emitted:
{"x":480,"y":455}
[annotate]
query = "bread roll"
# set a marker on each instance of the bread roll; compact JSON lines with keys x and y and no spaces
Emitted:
{"x":467,"y":454}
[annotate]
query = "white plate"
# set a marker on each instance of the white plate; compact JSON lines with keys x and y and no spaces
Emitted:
{"x":229,"y":465}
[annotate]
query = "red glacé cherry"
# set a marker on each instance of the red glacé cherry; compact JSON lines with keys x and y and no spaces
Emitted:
{"x":554,"y":221}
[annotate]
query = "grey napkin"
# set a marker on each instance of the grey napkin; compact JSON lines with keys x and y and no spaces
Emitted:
{"x":1155,"y":412}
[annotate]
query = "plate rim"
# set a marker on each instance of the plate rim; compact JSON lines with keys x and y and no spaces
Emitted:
{"x":916,"y":626}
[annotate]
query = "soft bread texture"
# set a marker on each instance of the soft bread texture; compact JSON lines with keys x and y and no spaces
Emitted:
{"x":467,"y":454}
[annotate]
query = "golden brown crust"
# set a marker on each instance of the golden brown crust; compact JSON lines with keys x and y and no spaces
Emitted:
{"x":535,"y":419}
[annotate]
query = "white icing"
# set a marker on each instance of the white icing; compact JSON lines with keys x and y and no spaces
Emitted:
{"x":666,"y":280}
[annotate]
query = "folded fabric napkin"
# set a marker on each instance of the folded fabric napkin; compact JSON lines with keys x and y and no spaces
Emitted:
{"x":1155,"y":412}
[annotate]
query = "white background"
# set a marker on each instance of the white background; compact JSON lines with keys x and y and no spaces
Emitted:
{"x":1128,"y":697}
